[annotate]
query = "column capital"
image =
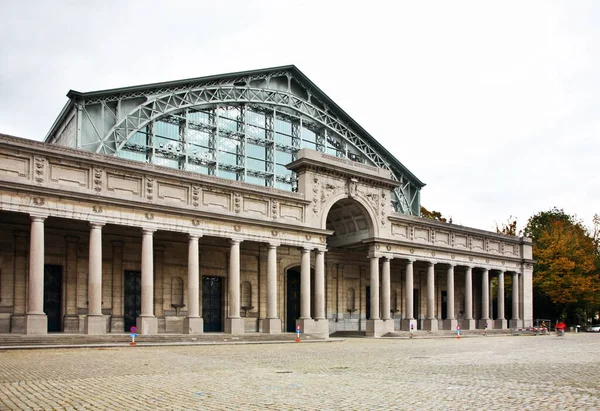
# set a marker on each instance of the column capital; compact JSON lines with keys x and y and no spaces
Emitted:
{"x":234,"y":241}
{"x":450,"y":264}
{"x":430,"y":263}
{"x":194,"y":236}
{"x":146,"y":230}
{"x":410,"y":260}
{"x":306,"y":249}
{"x":97,"y":225}
{"x":273,"y":244}
{"x":38,"y":218}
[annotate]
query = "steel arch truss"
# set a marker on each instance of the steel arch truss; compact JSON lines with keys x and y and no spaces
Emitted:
{"x":175,"y":100}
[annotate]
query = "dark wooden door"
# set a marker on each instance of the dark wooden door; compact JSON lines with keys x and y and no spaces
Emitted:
{"x":293,"y":300}
{"x":444,"y":305}
{"x":416,"y":305}
{"x":53,"y":296}
{"x":132,"y":306}
{"x":212,"y":304}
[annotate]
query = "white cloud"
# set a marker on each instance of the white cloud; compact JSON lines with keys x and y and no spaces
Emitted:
{"x":493,"y":105}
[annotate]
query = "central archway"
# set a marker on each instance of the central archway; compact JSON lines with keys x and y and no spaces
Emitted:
{"x":351,"y":223}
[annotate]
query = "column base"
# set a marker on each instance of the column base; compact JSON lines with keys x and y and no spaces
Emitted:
{"x":71,"y":323}
{"x":146,"y":325}
{"x":193,"y":325}
{"x":271,"y":326}
{"x":485,"y":324}
{"x":515,"y":324}
{"x":234,"y":326}
{"x":500,"y":324}
{"x":376,"y":328}
{"x":450,"y":324}
{"x":388,"y":324}
{"x":408,"y":325}
{"x":321,"y":328}
{"x":95,"y":324}
{"x":307,"y":325}
{"x":468,"y":325}
{"x":117,"y":324}
{"x":430,"y":324}
{"x":36,"y":324}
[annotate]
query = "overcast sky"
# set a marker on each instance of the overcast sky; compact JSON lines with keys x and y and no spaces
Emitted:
{"x":494,"y":105}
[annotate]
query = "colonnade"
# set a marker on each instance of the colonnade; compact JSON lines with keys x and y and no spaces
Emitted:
{"x":36,"y":321}
{"x":432,"y":320}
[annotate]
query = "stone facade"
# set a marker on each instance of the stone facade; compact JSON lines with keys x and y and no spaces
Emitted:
{"x":102,"y":241}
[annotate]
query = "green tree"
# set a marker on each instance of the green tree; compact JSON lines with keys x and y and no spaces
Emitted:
{"x":566,"y":277}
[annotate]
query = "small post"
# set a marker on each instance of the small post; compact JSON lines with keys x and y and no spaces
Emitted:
{"x":458,"y":332}
{"x":132,"y":334}
{"x":485,"y":329}
{"x":412,"y":326}
{"x":297,"y":333}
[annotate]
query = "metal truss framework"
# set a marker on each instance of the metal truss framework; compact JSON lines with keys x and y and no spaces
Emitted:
{"x":162,"y":102}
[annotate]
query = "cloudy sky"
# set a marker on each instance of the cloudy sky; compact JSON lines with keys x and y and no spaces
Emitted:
{"x":495,"y":105}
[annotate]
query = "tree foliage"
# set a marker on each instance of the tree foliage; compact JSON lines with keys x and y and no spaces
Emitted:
{"x":434,"y":215}
{"x":509,"y":228}
{"x":567,"y":267}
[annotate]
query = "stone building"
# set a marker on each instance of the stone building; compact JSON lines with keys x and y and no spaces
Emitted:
{"x":237,"y":203}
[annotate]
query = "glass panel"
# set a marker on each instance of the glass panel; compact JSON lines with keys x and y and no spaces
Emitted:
{"x":283,"y":157}
{"x":255,"y":132}
{"x":255,"y":164}
{"x":196,"y":168}
{"x":308,"y":135}
{"x":282,"y":126}
{"x":132,"y":155}
{"x":199,"y":117}
{"x":166,"y":162}
{"x":168,"y":130}
{"x":227,"y":174}
{"x":227,"y":124}
{"x":306,"y":144}
{"x":255,"y":118}
{"x":227,"y":158}
{"x":255,"y":151}
{"x":283,"y":186}
{"x":138,"y":138}
{"x":255,"y":180}
{"x":228,"y":144}
{"x":283,"y":139}
{"x":281,"y":170}
{"x":198,"y":137}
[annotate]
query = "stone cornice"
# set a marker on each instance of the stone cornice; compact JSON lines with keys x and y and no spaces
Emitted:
{"x":103,"y":161}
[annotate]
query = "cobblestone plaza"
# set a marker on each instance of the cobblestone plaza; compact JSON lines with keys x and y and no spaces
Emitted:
{"x":542,"y":372}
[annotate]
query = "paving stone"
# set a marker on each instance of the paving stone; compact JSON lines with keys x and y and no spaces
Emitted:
{"x":496,"y":373}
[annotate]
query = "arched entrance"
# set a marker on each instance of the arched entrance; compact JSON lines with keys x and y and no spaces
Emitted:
{"x":351,"y":223}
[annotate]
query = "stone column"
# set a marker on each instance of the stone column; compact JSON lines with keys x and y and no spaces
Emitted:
{"x":468,"y":322}
{"x":36,"y":321}
{"x":305,"y":321}
{"x":500,"y":322}
{"x":515,"y":320}
{"x":71,"y":319}
{"x":485,"y":300}
{"x":193,"y":323}
{"x":94,"y":321}
{"x":450,"y":322}
{"x":386,"y":295}
{"x":375,"y":327}
{"x":305,"y":284}
{"x":409,"y":320}
{"x":272,"y":324}
{"x":321,"y":324}
{"x":234,"y":323}
{"x":431,"y":323}
{"x":146,"y":322}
